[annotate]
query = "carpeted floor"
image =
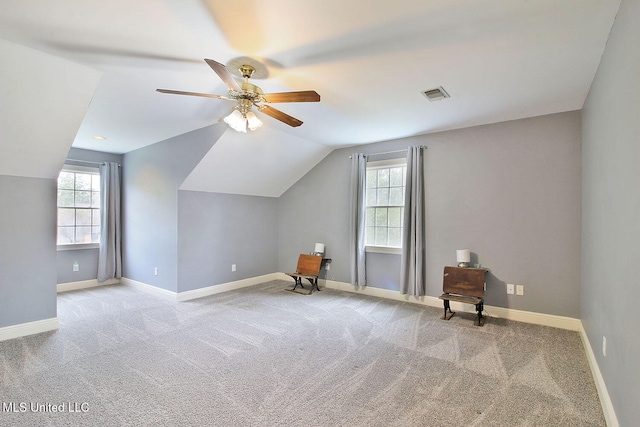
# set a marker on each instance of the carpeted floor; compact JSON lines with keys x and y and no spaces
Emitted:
{"x":261,"y":356}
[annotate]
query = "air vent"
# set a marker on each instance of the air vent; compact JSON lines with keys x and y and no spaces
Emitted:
{"x":437,"y":94}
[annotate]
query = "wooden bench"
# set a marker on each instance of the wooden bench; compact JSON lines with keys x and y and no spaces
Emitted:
{"x":308,"y":268}
{"x":464,"y":285}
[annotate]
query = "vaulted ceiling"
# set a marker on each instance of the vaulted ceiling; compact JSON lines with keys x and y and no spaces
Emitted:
{"x":369,"y":60}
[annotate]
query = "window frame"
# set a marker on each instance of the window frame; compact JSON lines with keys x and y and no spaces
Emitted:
{"x":380,"y":164}
{"x":75,"y":246}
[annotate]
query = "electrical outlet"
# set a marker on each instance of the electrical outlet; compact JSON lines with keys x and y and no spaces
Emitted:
{"x":511,"y":288}
{"x":155,"y":271}
{"x":604,"y":346}
{"x":233,"y":267}
{"x":76,"y":266}
{"x":327,"y":266}
{"x":519,"y":289}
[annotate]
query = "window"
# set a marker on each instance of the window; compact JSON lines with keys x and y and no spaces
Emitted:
{"x":78,"y":206}
{"x":384,"y":201}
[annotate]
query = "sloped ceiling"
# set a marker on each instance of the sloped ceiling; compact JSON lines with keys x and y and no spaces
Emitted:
{"x":244,"y":163}
{"x":369,"y":60}
{"x":43,"y":101}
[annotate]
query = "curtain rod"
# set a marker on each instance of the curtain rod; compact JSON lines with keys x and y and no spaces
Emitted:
{"x":391,"y":152}
{"x":87,"y":161}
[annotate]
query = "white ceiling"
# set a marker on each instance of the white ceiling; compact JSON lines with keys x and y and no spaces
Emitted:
{"x":369,"y":60}
{"x":34,"y":137}
{"x":269,"y":169}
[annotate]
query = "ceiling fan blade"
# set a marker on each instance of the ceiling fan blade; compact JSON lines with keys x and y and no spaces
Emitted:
{"x":224,"y":74}
{"x":180,"y":92}
{"x":279,"y":115}
{"x":302,"y":96}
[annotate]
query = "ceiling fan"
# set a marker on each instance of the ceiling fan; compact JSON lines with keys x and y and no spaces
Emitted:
{"x":248,"y":95}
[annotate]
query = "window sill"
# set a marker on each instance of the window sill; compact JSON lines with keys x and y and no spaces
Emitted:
{"x":78,"y":247}
{"x":383,"y":250}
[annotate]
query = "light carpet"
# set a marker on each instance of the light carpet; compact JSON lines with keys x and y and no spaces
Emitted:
{"x":260,"y":356}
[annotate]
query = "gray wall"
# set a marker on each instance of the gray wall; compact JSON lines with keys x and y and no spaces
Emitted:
{"x":510,"y":192}
{"x":315,"y":209}
{"x":27,"y":250}
{"x":42,"y":109}
{"x":611,"y":219}
{"x":151,"y":178}
{"x":87,"y":259}
{"x":217,"y":230}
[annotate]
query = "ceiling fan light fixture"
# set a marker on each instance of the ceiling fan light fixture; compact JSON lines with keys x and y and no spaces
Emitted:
{"x":236,"y":121}
{"x":253,"y":121}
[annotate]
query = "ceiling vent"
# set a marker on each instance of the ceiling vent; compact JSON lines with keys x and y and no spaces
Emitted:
{"x":437,"y":94}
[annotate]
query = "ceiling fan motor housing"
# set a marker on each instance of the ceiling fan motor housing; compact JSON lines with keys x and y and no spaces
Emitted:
{"x":251,"y":90}
{"x":250,"y":95}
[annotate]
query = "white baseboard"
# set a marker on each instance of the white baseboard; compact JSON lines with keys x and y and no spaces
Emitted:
{"x":146,"y":287}
{"x":203,"y":292}
{"x":605,"y":399}
{"x":224,"y":287}
{"x":84,"y":284}
{"x":29,"y":328}
{"x":491,"y":311}
{"x":500,"y":312}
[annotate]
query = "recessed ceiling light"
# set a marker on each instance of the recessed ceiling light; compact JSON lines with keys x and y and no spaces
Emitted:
{"x":98,"y":137}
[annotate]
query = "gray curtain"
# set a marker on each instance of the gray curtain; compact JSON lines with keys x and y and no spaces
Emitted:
{"x":413,"y":268}
{"x":110,"y":254}
{"x":357,"y":217}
